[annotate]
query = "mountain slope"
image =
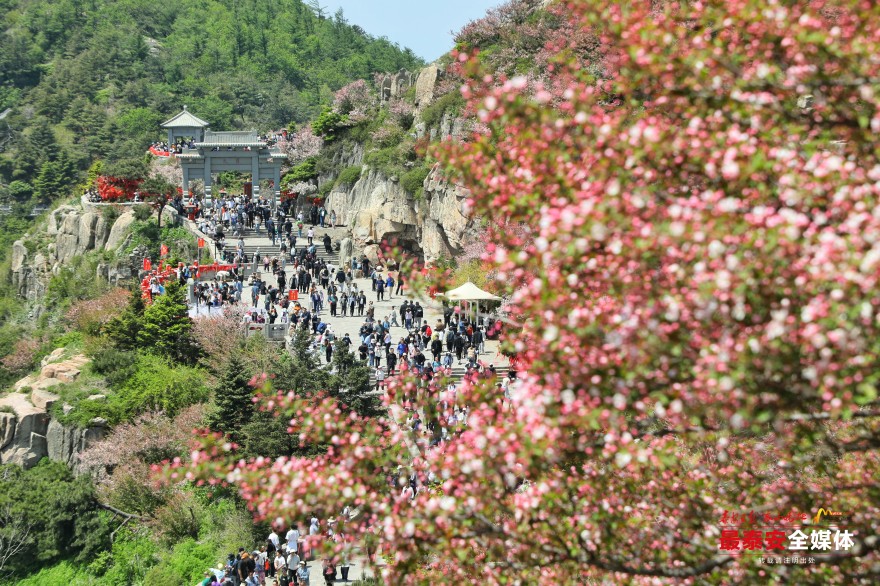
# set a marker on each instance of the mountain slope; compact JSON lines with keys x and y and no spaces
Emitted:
{"x":88,"y":79}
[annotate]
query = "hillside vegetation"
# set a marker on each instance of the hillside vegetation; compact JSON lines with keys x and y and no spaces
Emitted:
{"x":93,"y":79}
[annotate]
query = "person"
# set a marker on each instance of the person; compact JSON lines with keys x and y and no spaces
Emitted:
{"x":380,"y":377}
{"x":391,"y":357}
{"x":261,"y":560}
{"x":252,"y":579}
{"x":280,"y":565}
{"x":479,"y":340}
{"x":333,"y":219}
{"x":329,"y":572}
{"x":389,"y":284}
{"x":293,"y":560}
{"x":328,"y":350}
{"x":472,"y":356}
{"x":302,"y":574}
{"x":328,"y":245}
{"x":310,"y":235}
{"x":246,"y":567}
{"x":273,"y":537}
{"x":436,"y":347}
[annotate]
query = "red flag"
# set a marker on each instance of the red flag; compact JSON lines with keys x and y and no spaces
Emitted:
{"x":293,"y":295}
{"x":163,"y":251}
{"x":201,"y":242}
{"x":148,"y":266}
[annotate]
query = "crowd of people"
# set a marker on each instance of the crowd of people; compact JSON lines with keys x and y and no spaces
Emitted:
{"x":285,"y":560}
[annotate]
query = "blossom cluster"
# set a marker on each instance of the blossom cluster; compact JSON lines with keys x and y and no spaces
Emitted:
{"x":116,"y":188}
{"x":355,"y":100}
{"x":300,"y":145}
{"x":694,"y":310}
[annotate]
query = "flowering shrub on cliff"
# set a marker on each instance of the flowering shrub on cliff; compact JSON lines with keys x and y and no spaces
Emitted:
{"x":698,"y":309}
{"x":89,"y":315}
{"x":301,"y":145}
{"x":354,"y":100}
{"x":402,"y":112}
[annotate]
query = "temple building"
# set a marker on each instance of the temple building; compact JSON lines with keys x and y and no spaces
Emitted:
{"x":206,"y":152}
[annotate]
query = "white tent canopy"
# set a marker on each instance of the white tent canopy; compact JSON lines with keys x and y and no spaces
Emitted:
{"x":470,"y":292}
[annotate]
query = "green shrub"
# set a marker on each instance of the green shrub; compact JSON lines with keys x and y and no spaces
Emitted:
{"x":132,"y":556}
{"x":349,"y":176}
{"x":453,"y":102}
{"x":151,"y":384}
{"x":116,"y":366}
{"x":142,"y":212}
{"x":305,"y":171}
{"x":110,"y":213}
{"x":328,"y":123}
{"x":392,"y":160}
{"x":325,"y":189}
{"x":413,"y":180}
{"x":185,"y":565}
{"x":156,"y":385}
{"x":62,"y":574}
{"x":58,"y":508}
{"x":167,"y":327}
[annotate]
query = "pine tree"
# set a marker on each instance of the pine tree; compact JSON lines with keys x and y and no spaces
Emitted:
{"x":167,"y":329}
{"x":300,"y":371}
{"x":350,"y":382}
{"x":265,"y":434}
{"x":122,"y":331}
{"x":233,"y":405}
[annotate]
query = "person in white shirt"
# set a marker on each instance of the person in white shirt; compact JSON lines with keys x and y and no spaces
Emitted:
{"x":292,"y":539}
{"x":280,"y":564}
{"x":273,"y":537}
{"x":293,"y":563}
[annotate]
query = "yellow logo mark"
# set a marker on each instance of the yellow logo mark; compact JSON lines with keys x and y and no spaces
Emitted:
{"x":827,"y":512}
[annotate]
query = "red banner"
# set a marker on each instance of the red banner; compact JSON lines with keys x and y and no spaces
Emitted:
{"x":293,"y":295}
{"x":148,"y":266}
{"x":163,"y":251}
{"x":201,"y":242}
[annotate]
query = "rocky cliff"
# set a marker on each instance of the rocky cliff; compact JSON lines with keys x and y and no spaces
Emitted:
{"x":69,"y":231}
{"x":378,"y":209}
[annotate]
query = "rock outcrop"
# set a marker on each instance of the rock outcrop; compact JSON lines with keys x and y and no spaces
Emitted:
{"x":28,"y":436}
{"x":73,"y":230}
{"x":377,"y":209}
{"x":27,"y":431}
{"x":425,"y":85}
{"x":392,"y":85}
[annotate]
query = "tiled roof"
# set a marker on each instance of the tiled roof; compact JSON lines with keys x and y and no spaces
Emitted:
{"x":185,"y":120}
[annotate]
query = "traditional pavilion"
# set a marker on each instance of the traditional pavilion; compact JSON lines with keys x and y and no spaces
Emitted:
{"x":215,"y":152}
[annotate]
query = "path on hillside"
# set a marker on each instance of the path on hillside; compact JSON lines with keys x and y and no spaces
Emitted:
{"x":259,"y":242}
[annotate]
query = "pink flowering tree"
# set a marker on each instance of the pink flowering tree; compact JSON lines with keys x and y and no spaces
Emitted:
{"x":354,"y":100}
{"x":168,"y":169}
{"x":300,"y":145}
{"x":401,"y":112}
{"x":698,"y":308}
